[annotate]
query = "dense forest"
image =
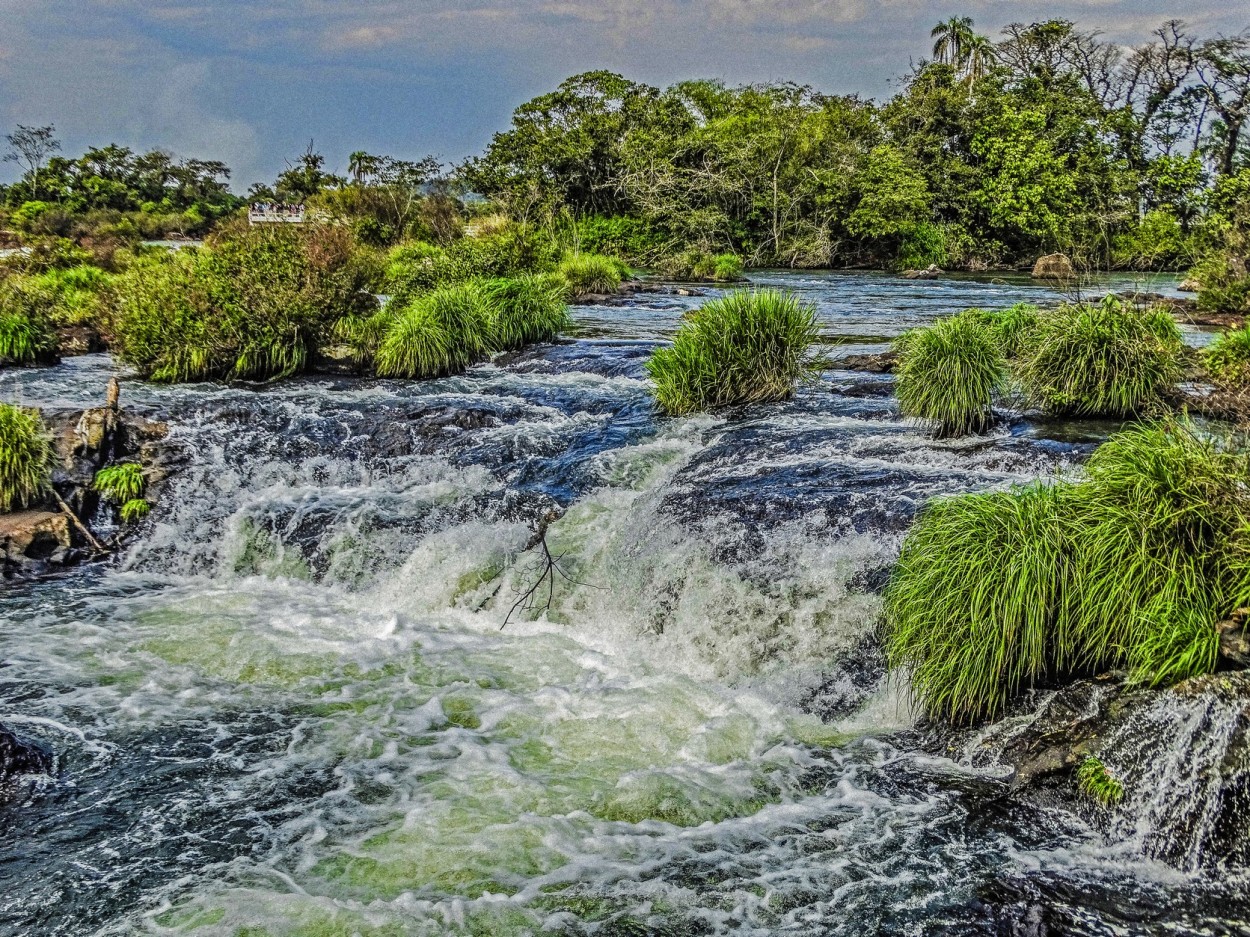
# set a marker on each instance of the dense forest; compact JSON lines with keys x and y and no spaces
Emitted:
{"x":992,"y":153}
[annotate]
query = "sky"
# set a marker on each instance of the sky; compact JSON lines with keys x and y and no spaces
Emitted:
{"x":252,"y":82}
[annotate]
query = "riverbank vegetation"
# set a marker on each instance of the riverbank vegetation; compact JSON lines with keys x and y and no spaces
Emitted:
{"x":1132,"y":565}
{"x":749,"y":346}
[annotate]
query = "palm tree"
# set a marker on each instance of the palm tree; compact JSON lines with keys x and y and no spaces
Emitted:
{"x":979,"y":59}
{"x":953,"y":38}
{"x":361,"y":164}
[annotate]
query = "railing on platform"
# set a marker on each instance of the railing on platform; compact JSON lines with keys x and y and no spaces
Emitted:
{"x":269,"y":213}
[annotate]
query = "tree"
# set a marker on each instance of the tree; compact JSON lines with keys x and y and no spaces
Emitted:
{"x":1223,"y":68}
{"x":953,"y":39}
{"x":304,"y":179}
{"x":31,"y":147}
{"x":360,"y":166}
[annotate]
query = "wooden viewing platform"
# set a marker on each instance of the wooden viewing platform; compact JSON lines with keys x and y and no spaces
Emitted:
{"x":269,"y":213}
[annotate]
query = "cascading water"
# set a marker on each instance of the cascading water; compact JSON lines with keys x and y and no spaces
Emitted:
{"x":291,"y":708}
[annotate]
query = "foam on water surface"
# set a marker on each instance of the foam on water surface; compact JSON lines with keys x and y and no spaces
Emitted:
{"x":291,"y":708}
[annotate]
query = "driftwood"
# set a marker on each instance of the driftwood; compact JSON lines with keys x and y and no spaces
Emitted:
{"x":530,"y":599}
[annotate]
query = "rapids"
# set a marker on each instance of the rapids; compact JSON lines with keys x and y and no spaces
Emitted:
{"x":291,"y":709}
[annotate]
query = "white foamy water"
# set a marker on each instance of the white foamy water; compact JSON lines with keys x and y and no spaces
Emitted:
{"x":290,"y":708}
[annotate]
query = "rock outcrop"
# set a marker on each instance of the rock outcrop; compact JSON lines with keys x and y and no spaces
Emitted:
{"x":931,"y":272}
{"x":1189,"y":285}
{"x":1054,"y":267}
{"x":1182,"y":755}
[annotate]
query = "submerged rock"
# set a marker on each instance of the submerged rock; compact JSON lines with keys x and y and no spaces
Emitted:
{"x":1054,"y":266}
{"x":21,"y":757}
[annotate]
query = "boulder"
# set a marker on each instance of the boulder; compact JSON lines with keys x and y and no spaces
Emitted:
{"x":21,"y":757}
{"x":1189,"y":285}
{"x":30,"y":539}
{"x":1054,"y":266}
{"x":931,"y":272}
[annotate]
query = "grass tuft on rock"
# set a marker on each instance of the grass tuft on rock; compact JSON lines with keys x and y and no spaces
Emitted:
{"x":1011,"y":328}
{"x":439,"y":333}
{"x":121,"y":483}
{"x":25,"y":456}
{"x":525,"y":309}
{"x":948,"y":374}
{"x":26,"y":334}
{"x":592,"y":273}
{"x":1108,"y":359}
{"x":746,"y":347}
{"x":1134,"y":565}
{"x":134,"y":510}
{"x":1099,"y":784}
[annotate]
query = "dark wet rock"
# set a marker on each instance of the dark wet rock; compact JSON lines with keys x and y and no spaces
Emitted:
{"x":931,"y":272}
{"x":18,"y":756}
{"x":1181,"y":753}
{"x":883,"y":363}
{"x":844,"y":689}
{"x":1054,"y":266}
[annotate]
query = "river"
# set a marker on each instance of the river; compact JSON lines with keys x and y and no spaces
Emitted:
{"x":293,"y":706}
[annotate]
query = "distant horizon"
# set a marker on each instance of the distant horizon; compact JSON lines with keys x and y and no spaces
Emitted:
{"x":221,"y":79}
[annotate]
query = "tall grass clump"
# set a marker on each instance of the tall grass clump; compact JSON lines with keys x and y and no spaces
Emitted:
{"x":746,"y":347}
{"x":1227,"y":359}
{"x":26,"y":334}
{"x":25,"y":456}
{"x":592,"y":273}
{"x":1133,"y":565}
{"x":524,"y":309}
{"x":1010,"y":328}
{"x":1107,"y":359}
{"x":438,"y":333}
{"x":972,"y":603}
{"x":948,"y":374}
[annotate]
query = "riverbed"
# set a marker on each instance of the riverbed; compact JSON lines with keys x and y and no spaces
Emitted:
{"x":312,"y":698}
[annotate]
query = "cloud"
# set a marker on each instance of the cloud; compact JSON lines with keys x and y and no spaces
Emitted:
{"x":251,"y":82}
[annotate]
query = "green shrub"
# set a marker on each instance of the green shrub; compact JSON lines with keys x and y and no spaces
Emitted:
{"x":25,"y":456}
{"x":525,"y":309}
{"x":1011,"y":328}
{"x":1224,"y":285}
{"x":920,"y":246}
{"x":700,"y":266}
{"x":1227,"y":359}
{"x":618,"y":236}
{"x":419,"y":267}
{"x":948,"y":374}
{"x":591,"y":273}
{"x":1099,"y":784}
{"x":26,"y":334}
{"x":121,"y":483}
{"x":1107,"y":359}
{"x":76,"y":294}
{"x":364,"y":334}
{"x":442,"y":332}
{"x":1134,"y":565}
{"x":254,"y":304}
{"x":746,"y":347}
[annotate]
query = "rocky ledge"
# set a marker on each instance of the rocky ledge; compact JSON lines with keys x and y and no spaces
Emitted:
{"x":56,"y":532}
{"x":1178,"y":760}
